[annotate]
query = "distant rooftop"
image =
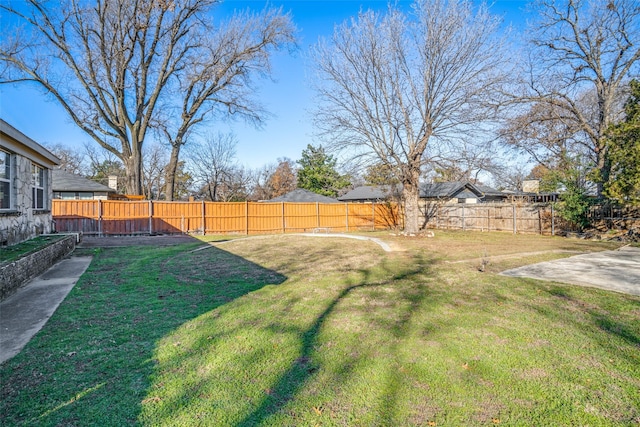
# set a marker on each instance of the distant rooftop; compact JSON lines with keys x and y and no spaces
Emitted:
{"x":65,"y":181}
{"x":436,"y":190}
{"x":300,"y":195}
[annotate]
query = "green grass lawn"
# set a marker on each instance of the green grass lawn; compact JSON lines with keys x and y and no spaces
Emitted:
{"x":293,"y":331}
{"x":12,"y":253}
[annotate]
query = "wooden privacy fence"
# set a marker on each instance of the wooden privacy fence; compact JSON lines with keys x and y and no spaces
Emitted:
{"x":529,"y":218}
{"x":607,"y":217}
{"x":114,"y":217}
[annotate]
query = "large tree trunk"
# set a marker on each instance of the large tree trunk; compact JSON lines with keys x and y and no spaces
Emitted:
{"x":133,"y":168}
{"x":172,"y":167}
{"x":411,"y":197}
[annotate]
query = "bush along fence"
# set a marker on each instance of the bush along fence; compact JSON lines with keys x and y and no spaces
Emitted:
{"x":115,"y":217}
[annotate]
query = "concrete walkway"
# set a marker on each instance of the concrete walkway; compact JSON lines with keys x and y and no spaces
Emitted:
{"x":24,"y":313}
{"x":617,"y":270}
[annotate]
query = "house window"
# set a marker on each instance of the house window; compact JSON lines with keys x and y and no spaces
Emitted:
{"x":70,"y":195}
{"x":5,"y":180}
{"x":65,"y":195}
{"x":38,"y":186}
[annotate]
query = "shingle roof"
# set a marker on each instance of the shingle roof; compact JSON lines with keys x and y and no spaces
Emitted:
{"x":436,"y":190}
{"x":300,"y":195}
{"x":449,"y":189}
{"x":489,"y":191}
{"x":65,"y":181}
{"x":370,"y":192}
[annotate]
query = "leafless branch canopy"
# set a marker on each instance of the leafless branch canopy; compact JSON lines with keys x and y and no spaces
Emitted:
{"x":584,"y":54}
{"x":116,"y":66}
{"x":391,"y":83}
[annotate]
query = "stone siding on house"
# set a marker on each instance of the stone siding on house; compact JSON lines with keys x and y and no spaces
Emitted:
{"x":24,"y":222}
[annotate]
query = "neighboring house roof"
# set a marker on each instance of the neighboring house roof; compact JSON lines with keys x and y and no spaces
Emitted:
{"x":436,"y":190}
{"x":459,"y":189}
{"x":28,"y":147}
{"x":300,"y":195}
{"x":489,"y":191}
{"x":370,"y":192}
{"x":65,"y":181}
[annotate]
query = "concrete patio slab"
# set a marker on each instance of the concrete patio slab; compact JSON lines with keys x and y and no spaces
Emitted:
{"x":617,"y":270}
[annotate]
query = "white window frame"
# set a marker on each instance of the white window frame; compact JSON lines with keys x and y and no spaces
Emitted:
{"x":38,"y":183}
{"x":8,"y":179}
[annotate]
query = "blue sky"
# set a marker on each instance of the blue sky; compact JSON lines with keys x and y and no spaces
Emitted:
{"x":288,"y":97}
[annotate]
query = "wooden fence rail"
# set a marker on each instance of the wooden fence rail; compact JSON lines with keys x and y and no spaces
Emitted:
{"x":115,"y":217}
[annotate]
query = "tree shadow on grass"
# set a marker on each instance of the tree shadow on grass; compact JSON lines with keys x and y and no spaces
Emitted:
{"x":92,"y":362}
{"x":304,"y":367}
{"x":575,"y":310}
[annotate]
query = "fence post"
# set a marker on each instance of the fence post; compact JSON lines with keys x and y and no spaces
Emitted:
{"x":204,"y":220}
{"x":463,"y":222}
{"x":150,"y":217}
{"x":246,"y":217}
{"x":346,"y":208}
{"x":284,"y":227}
{"x":514,"y":219}
{"x":553,"y":221}
{"x":489,"y":219}
{"x":318,"y":214}
{"x":539,"y":220}
{"x":99,"y":218}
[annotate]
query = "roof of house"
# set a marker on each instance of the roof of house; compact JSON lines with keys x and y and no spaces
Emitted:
{"x":65,"y":181}
{"x":436,"y":190}
{"x":28,"y":146}
{"x":300,"y":195}
{"x":489,"y":191}
{"x":370,"y":192}
{"x":460,"y":189}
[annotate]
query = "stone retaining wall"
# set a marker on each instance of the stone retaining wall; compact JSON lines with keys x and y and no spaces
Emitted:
{"x":16,"y":274}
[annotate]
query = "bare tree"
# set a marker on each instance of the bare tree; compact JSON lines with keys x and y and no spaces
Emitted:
{"x":510,"y":177}
{"x":114,"y":64}
{"x":237,"y":186}
{"x":102,"y":164}
{"x":584,"y":52}
{"x":274,"y":180}
{"x":71,"y":160}
{"x":213,"y":163}
{"x":154,"y":163}
{"x":218,"y":78}
{"x":391,"y":84}
{"x":464,"y":161}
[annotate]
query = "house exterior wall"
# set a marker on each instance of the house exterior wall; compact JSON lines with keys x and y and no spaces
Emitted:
{"x":19,"y":220}
{"x":23,"y":222}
